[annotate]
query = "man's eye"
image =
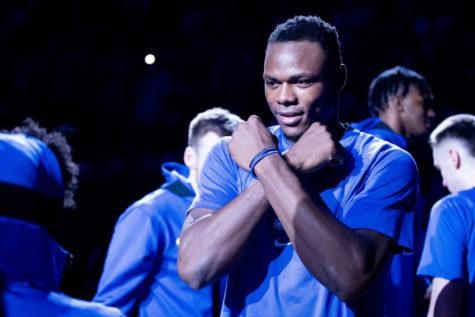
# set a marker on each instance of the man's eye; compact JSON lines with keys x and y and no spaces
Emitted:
{"x":271,"y":83}
{"x":303,"y":83}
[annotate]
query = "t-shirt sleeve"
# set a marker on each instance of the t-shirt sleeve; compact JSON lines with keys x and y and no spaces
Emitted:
{"x":218,"y":183}
{"x":444,"y":250}
{"x":388,"y":198}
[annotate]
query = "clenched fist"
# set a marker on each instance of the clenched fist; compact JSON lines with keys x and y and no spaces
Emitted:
{"x":248,"y":139}
{"x":315,"y":148}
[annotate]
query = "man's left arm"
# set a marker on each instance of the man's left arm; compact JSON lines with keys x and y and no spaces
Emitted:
{"x":346,"y":261}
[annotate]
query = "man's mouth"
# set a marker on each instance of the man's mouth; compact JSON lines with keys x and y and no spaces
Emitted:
{"x":290,"y":118}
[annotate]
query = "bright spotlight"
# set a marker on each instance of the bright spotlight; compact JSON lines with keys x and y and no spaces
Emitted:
{"x":150,"y":59}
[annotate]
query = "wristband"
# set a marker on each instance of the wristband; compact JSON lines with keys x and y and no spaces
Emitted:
{"x":259,"y":156}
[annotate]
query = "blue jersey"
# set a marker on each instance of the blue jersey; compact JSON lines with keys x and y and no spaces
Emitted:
{"x":140,"y":270}
{"x":363,"y":193}
{"x":401,"y":284}
{"x":449,"y":249}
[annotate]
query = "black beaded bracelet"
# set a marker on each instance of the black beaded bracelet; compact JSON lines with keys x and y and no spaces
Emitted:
{"x":259,"y":156}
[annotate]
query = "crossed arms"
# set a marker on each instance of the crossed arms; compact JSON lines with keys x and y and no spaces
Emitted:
{"x":212,"y":243}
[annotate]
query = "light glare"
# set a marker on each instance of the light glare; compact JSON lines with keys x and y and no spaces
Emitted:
{"x":150,"y":59}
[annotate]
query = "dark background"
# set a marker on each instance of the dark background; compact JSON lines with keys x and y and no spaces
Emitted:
{"x":79,"y":68}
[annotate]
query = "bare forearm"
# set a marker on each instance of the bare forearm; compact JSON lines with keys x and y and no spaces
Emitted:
{"x":339,"y":257}
{"x":211,"y":246}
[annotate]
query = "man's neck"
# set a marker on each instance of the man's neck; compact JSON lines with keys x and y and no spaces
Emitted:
{"x":467,"y":173}
{"x":192,"y":179}
{"x":392,"y":121}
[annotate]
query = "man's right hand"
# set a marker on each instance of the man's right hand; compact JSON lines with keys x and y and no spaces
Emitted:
{"x":248,"y":139}
{"x":315,"y":148}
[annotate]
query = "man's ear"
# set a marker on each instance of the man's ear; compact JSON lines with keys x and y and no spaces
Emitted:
{"x":342,"y":76}
{"x":454,"y":158}
{"x":396,"y":102}
{"x":189,"y":157}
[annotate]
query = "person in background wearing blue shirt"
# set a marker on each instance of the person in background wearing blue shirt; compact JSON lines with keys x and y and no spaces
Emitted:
{"x":305,"y":216}
{"x":140,"y":275}
{"x":38,"y":179}
{"x":448,"y":256}
{"x":400,"y":101}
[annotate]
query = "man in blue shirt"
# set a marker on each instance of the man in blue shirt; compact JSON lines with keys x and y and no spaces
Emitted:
{"x":400,"y":101}
{"x":140,"y":274}
{"x":449,"y":249}
{"x":38,"y":179}
{"x":305,"y":216}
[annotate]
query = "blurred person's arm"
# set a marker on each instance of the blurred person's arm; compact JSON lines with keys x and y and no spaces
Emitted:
{"x":444,"y":256}
{"x":446,"y":298}
{"x":132,"y":251}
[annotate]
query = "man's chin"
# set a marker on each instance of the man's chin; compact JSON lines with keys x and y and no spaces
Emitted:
{"x":292,"y":135}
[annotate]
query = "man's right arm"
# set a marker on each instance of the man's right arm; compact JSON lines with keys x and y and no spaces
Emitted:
{"x":212,"y":243}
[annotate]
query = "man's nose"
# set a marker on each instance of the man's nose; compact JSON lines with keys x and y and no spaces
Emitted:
{"x":287,"y":95}
{"x":431,"y":113}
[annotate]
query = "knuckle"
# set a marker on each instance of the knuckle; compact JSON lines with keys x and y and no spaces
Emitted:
{"x":253,"y":117}
{"x":315,"y":126}
{"x":240,"y":126}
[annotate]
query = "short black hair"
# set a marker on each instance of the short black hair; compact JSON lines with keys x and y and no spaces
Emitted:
{"x":57,"y":143}
{"x":217,"y":120}
{"x":395,"y":81}
{"x":313,"y":29}
{"x":459,"y":127}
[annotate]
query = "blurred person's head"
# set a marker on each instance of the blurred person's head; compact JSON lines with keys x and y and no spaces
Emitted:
{"x":303,"y":74}
{"x":403,"y":99}
{"x":205,"y":129}
{"x":453,"y":149}
{"x":38,"y":177}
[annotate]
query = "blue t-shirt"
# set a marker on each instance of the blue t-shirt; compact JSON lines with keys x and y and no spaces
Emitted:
{"x":364,"y":192}
{"x":449,"y":249}
{"x":401,"y":284}
{"x":140,"y":270}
